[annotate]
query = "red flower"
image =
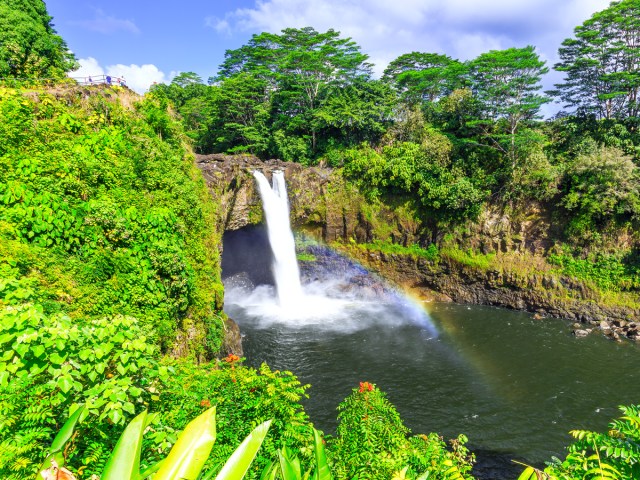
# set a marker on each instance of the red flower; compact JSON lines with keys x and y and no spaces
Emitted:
{"x":231,"y":358}
{"x":365,"y":387}
{"x":205,"y":403}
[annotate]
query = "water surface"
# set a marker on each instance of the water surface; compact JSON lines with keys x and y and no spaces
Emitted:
{"x":514,"y":385}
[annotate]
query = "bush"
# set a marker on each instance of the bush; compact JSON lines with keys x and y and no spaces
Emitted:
{"x":611,"y":455}
{"x":244,"y":397}
{"x":372,"y":443}
{"x":50,"y":365}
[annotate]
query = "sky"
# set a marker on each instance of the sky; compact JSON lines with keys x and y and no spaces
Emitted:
{"x":148,"y":42}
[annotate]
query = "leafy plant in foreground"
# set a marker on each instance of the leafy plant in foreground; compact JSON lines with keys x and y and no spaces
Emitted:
{"x":185,"y":461}
{"x":373,"y":443}
{"x":611,"y":455}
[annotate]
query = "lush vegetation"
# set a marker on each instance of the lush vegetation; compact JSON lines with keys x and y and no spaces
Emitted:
{"x":29,"y":45}
{"x":110,"y":293}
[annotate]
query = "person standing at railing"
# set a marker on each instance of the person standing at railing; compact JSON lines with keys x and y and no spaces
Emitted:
{"x":108,"y":79}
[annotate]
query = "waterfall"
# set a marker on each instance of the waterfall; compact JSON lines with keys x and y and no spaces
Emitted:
{"x":285,"y":264}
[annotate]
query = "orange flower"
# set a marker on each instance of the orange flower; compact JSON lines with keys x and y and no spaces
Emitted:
{"x":205,"y":403}
{"x":231,"y":358}
{"x":365,"y":387}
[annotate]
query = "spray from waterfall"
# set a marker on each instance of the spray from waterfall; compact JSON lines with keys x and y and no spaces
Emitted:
{"x":285,"y":264}
{"x":340,"y":296}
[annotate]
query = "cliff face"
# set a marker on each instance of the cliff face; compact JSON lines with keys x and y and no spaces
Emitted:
{"x":544,"y":293}
{"x":326,"y":207}
{"x":320,"y":201}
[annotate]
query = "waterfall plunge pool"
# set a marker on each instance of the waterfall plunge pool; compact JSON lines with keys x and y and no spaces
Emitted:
{"x":514,"y":385}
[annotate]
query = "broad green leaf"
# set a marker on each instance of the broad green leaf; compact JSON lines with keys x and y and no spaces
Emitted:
{"x":151,"y":470}
{"x":287,"y":468}
{"x":61,"y":439}
{"x":124,"y":462}
{"x":322,"y":472}
{"x":187,"y":457}
{"x":241,"y":459}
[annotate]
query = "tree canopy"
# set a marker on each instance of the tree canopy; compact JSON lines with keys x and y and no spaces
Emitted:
{"x":29,"y":45}
{"x":602,"y":63}
{"x":425,"y":76}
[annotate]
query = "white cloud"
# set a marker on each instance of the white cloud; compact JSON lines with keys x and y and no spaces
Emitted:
{"x":386,"y":29}
{"x":104,"y":23}
{"x":137,"y":77}
{"x":89,"y":67}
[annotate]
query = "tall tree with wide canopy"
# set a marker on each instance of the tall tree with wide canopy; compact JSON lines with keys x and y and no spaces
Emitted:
{"x":300,"y":67}
{"x":505,"y":86}
{"x":29,"y":45}
{"x":602,"y":63}
{"x":507,"y":82}
{"x":424,"y":77}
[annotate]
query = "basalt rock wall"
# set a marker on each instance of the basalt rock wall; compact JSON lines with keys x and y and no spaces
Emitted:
{"x":546,"y":294}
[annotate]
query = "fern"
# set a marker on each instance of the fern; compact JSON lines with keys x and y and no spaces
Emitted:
{"x":604,"y":456}
{"x":27,"y":426}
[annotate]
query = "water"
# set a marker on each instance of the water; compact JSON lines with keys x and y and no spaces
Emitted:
{"x":276,"y":211}
{"x":514,"y":385}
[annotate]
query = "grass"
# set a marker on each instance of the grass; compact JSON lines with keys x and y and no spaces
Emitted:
{"x":305,"y":257}
{"x":469,"y":258}
{"x":430,"y":253}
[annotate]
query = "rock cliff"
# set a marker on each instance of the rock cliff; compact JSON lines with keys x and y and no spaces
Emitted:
{"x":328,"y":208}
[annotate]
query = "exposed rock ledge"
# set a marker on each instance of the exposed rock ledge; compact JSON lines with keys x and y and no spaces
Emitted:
{"x":544,"y":295}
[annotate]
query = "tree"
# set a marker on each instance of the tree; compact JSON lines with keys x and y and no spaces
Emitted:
{"x":29,"y":45}
{"x":360,"y":112}
{"x":240,"y":112}
{"x":184,"y":79}
{"x":424,"y":77}
{"x":506,"y":83}
{"x":602,"y":63}
{"x":601,"y":187}
{"x":300,"y":67}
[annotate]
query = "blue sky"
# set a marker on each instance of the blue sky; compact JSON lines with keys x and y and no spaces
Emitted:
{"x":152,"y":41}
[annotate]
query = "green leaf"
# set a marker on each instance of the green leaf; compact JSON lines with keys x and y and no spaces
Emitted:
{"x":287,"y":468}
{"x":61,"y":439}
{"x":124,"y":462}
{"x":57,"y":359}
{"x":239,"y":462}
{"x":322,"y":472}
{"x":188,"y":456}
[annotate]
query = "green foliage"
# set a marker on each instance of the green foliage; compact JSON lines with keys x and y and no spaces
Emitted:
{"x":468,"y":258}
{"x":430,"y":253}
{"x":601,"y":63}
{"x":305,"y":257}
{"x":113,"y":199}
{"x":406,"y":168}
{"x":611,"y":455}
{"x":51,"y":365}
{"x":244,"y":397}
{"x":431,"y":457}
{"x":609,"y":272}
{"x":29,"y":45}
{"x":289,"y":467}
{"x":372,"y":443}
{"x":601,"y":188}
{"x":425,"y":77}
{"x":371,"y":438}
{"x":505,"y":83}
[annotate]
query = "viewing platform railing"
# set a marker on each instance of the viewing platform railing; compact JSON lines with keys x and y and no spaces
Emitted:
{"x":69,"y":81}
